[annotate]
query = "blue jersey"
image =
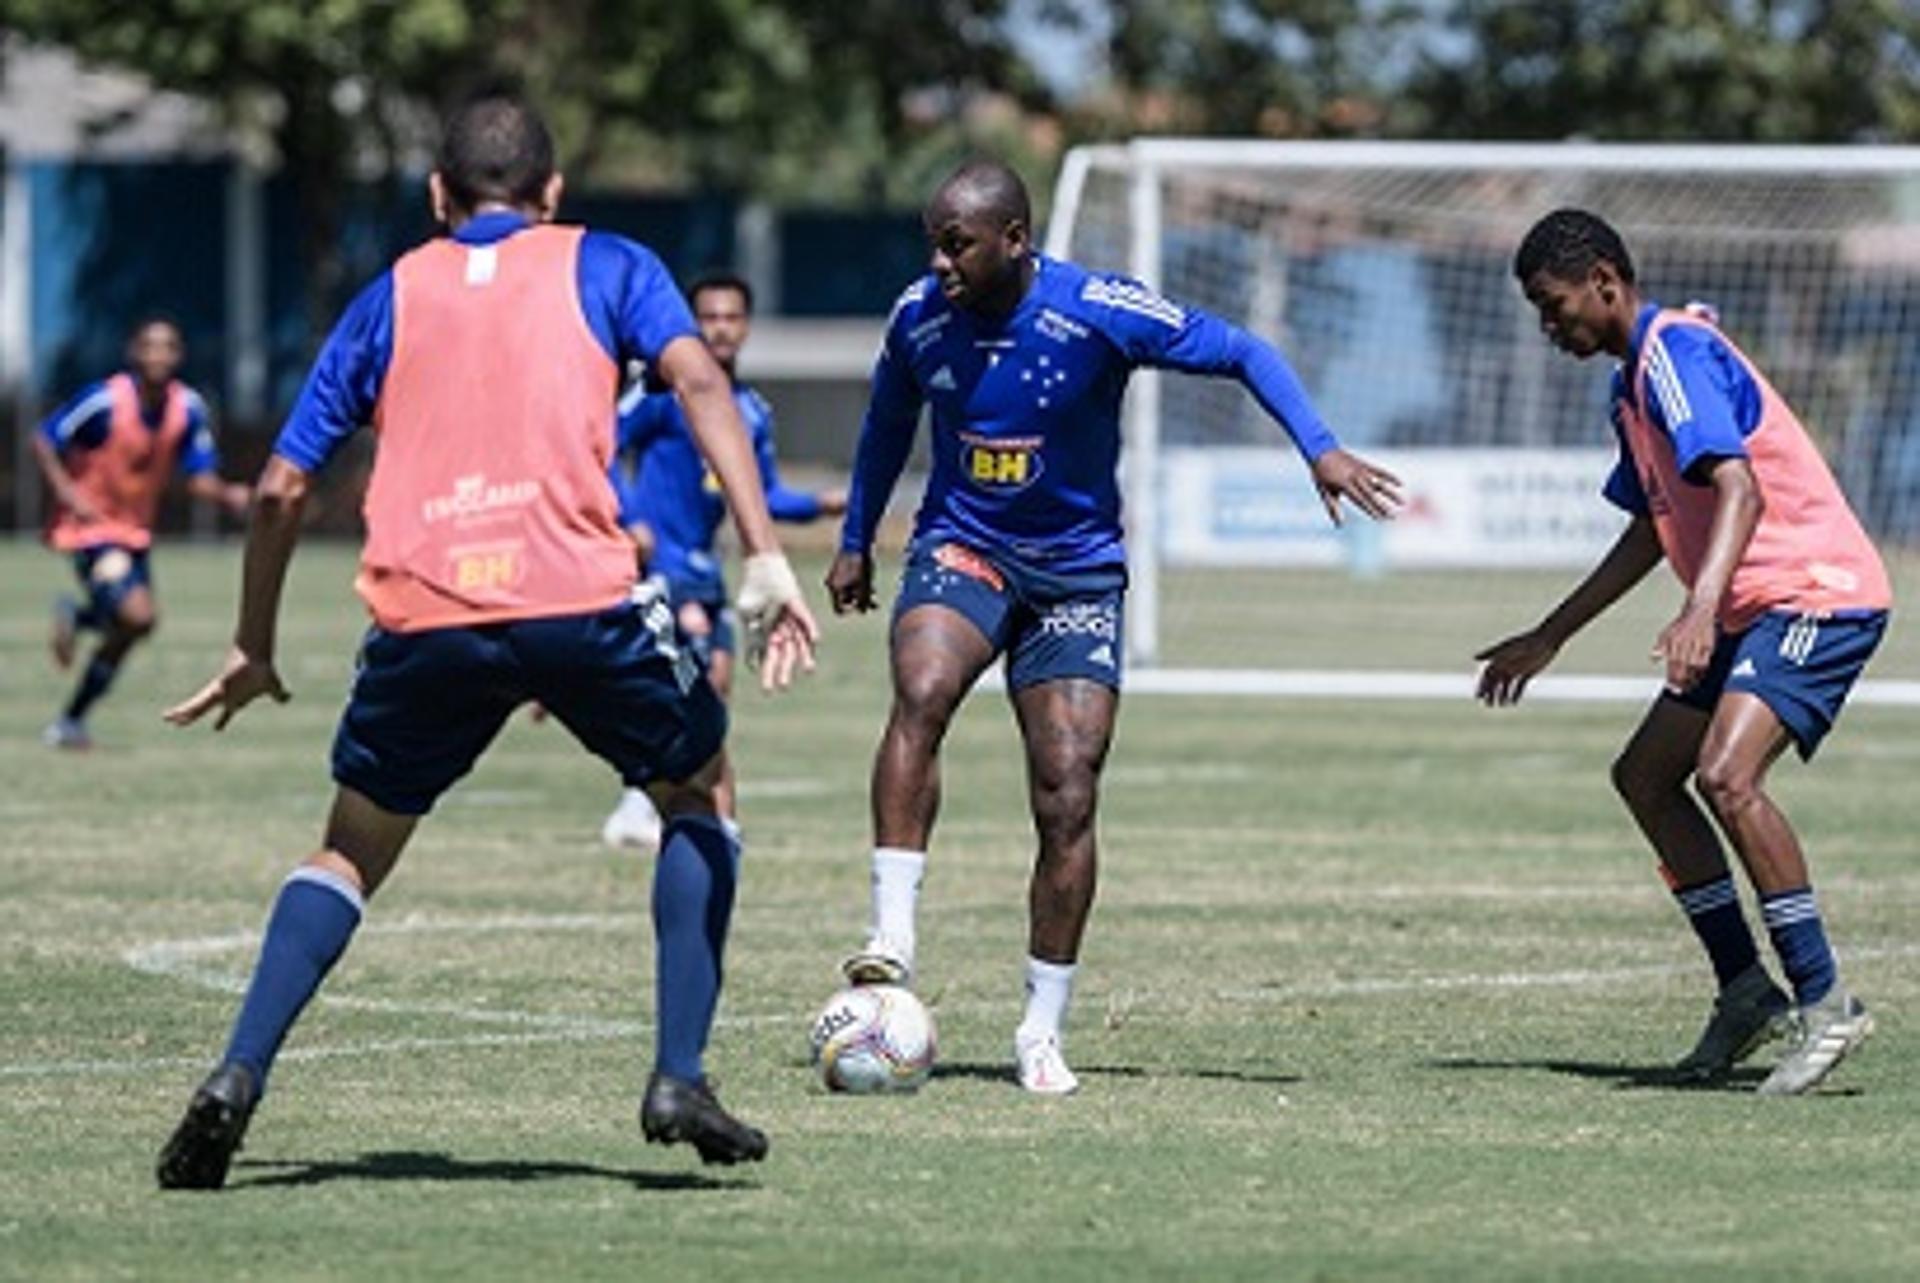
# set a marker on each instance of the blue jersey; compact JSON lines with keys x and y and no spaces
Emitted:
{"x":1026,"y":410}
{"x":629,"y":302}
{"x":82,"y":423}
{"x":1696,"y":390}
{"x":663,"y":480}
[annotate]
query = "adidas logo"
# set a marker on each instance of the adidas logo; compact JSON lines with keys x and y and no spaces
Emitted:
{"x":942,"y":379}
{"x":1102,"y":655}
{"x":1744,"y":668}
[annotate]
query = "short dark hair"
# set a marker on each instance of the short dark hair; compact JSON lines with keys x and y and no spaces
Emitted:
{"x":1567,"y":243}
{"x":991,"y":187}
{"x":155,"y":317}
{"x":721,"y":281}
{"x":496,"y":148}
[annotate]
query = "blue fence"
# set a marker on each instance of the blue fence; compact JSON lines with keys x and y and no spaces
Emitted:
{"x":110,"y":242}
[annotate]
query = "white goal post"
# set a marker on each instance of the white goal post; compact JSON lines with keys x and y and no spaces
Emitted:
{"x":1382,"y":271}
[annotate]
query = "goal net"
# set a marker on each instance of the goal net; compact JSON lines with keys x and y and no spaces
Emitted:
{"x":1383,"y":272}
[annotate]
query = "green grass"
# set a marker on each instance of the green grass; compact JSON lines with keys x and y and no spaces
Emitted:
{"x":1371,"y":992}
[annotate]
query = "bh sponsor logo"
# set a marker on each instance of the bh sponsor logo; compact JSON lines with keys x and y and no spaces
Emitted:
{"x":1000,"y":463}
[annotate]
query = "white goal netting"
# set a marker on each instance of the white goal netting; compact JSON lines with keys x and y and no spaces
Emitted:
{"x":1383,"y":272}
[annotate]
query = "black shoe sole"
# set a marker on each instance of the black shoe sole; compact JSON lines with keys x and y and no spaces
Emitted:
{"x":202,"y":1147}
{"x":710,"y":1145}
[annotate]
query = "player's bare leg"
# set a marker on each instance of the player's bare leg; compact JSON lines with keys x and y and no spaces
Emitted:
{"x":1744,"y":741}
{"x":1651,"y":775}
{"x":315,"y":916}
{"x":693,"y":892}
{"x":937,"y":655}
{"x":1067,"y":727}
{"x":133,"y":622}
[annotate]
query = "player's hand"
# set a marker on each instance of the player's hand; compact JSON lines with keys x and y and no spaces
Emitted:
{"x":236,"y":497}
{"x":781,"y":632}
{"x":1511,"y":664}
{"x":833,"y":503}
{"x":242,"y":679}
{"x":643,"y":544}
{"x":1367,"y":486}
{"x":1686,"y":645}
{"x":850,"y":583}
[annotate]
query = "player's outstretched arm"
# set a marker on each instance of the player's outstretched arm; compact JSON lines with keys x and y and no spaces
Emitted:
{"x":1369,"y":487}
{"x":234,"y":496}
{"x":248,"y":672}
{"x":781,"y":632}
{"x":1513,"y":662}
{"x":60,"y":481}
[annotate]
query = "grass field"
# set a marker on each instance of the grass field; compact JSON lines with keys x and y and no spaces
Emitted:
{"x":1373,"y":990}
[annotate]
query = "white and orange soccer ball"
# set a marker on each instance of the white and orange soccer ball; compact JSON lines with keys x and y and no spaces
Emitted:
{"x":873,"y":1038}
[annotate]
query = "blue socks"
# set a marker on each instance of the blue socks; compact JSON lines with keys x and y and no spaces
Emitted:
{"x":1713,"y":909}
{"x":311,"y":923}
{"x":94,"y":682}
{"x":1793,"y":920}
{"x":693,"y":885}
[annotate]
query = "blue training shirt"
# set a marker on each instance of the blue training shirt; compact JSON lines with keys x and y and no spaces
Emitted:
{"x":1695,"y":390}
{"x":663,"y":480}
{"x":629,"y":299}
{"x":82,"y":424}
{"x":1026,"y":410}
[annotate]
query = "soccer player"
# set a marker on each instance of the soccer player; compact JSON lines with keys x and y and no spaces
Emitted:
{"x":1017,"y":548}
{"x":671,"y":504}
{"x":107,"y":455}
{"x":496,"y":572}
{"x":1786,"y":598}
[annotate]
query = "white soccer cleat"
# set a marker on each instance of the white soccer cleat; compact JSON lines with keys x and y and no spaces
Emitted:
{"x":68,"y":733}
{"x":1043,"y":1068}
{"x":881,"y":962}
{"x":633,"y":823}
{"x":1826,"y":1033}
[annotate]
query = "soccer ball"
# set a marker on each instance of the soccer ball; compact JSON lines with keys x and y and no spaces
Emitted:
{"x":873,"y":1038}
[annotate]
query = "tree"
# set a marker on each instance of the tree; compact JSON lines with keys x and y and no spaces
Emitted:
{"x":1801,"y":71}
{"x":757,"y":95}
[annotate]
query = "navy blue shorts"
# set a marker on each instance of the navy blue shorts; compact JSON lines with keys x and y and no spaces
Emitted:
{"x":1050,"y":627}
{"x":1801,"y":667}
{"x":108,"y":572}
{"x":425,"y":705}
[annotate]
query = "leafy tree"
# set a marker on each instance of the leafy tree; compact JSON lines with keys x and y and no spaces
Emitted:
{"x":788,"y":96}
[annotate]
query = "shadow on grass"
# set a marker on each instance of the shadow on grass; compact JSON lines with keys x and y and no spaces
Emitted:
{"x":1630,"y":1077}
{"x":413,"y":1165}
{"x":998,"y":1071}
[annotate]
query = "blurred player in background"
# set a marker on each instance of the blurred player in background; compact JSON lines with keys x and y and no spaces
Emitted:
{"x":1017,"y":548}
{"x":496,"y":572}
{"x":107,"y":456}
{"x":672,"y":505}
{"x":1786,"y":599}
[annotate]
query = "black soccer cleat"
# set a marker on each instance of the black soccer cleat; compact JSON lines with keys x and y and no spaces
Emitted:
{"x":196,"y":1156}
{"x":675,"y":1110}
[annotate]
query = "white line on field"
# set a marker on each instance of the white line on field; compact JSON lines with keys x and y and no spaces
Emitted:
{"x":179,"y":960}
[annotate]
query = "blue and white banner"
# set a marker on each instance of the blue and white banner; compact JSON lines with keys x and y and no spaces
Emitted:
{"x":1465,"y":508}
